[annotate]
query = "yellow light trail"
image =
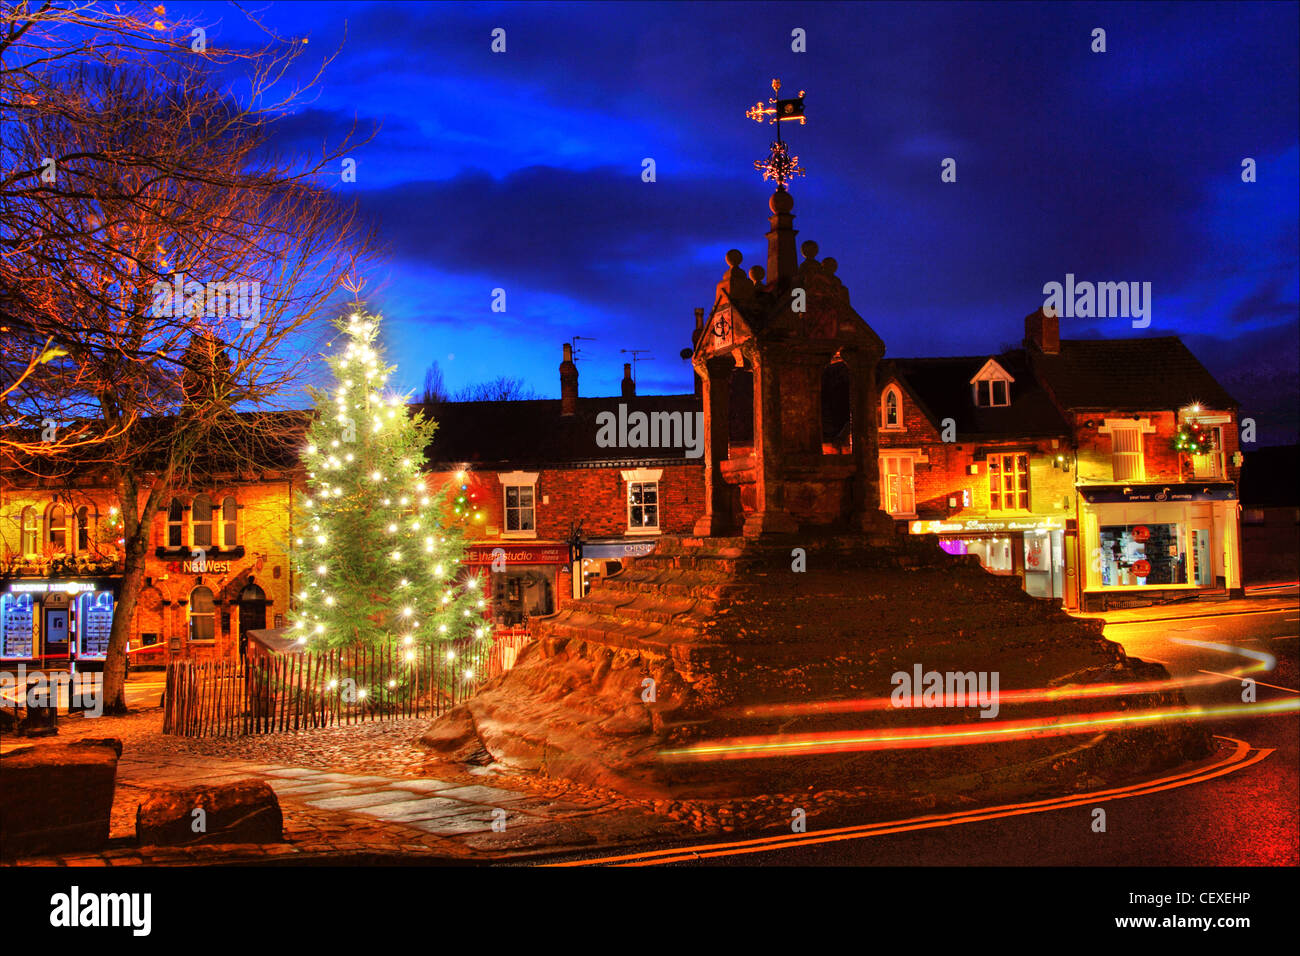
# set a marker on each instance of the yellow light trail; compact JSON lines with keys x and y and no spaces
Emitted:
{"x":740,"y":748}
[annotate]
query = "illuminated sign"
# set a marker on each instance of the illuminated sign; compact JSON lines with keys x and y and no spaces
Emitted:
{"x":45,"y":587}
{"x":986,"y":524}
{"x":199,"y":567}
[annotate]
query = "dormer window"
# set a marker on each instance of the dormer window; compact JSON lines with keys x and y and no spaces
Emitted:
{"x":991,"y":386}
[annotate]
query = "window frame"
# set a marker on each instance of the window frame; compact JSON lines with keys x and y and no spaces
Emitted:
{"x":1027,"y":491}
{"x":29,"y":532}
{"x":230,"y":524}
{"x":888,"y":492}
{"x":891,"y":392}
{"x":62,"y":528}
{"x":517,"y":480}
{"x":1139,"y":427}
{"x":643,"y":477}
{"x":190,"y":615}
{"x":196,"y":524}
{"x":990,"y":373}
{"x":175,"y":512}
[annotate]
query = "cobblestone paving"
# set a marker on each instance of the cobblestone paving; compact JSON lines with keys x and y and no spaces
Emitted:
{"x":385,"y":804}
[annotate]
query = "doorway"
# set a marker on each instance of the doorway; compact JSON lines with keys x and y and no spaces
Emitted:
{"x":1202,"y":563}
{"x":252,"y":613}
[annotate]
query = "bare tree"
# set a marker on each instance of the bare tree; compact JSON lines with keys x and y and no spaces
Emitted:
{"x":435,"y":388}
{"x":503,"y":388}
{"x":177,"y":269}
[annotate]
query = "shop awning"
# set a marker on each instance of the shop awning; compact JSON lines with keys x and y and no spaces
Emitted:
{"x":1188,"y":491}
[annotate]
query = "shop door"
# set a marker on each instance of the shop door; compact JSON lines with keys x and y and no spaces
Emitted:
{"x":1202,"y":562}
{"x":252,"y":614}
{"x":56,"y":636}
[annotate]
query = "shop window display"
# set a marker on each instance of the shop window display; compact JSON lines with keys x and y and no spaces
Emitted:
{"x":16,"y":623}
{"x":1142,"y":555}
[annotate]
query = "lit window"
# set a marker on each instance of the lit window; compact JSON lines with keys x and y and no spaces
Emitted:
{"x":58,"y":528}
{"x":203,"y":617}
{"x":30,"y":532}
{"x":891,"y":408}
{"x":643,"y":504}
{"x":1126,"y":451}
{"x":520,"y":514}
{"x":1008,"y":482}
{"x":898,"y":484}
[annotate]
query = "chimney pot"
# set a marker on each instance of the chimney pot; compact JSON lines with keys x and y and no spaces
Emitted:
{"x":629,"y":386}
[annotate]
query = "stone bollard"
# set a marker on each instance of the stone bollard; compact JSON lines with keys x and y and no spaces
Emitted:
{"x":245,"y":811}
{"x":57,"y":797}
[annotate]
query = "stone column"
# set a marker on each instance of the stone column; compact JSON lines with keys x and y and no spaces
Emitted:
{"x":716,"y":378}
{"x":770,"y":517}
{"x":864,"y":402}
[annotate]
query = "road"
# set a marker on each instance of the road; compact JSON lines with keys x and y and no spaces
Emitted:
{"x":1242,"y":811}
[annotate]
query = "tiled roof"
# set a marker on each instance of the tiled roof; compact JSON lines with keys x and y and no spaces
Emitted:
{"x":942,"y":388}
{"x":534,"y":433}
{"x":1147,"y":374}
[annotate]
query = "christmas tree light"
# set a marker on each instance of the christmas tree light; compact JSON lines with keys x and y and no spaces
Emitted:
{"x":358,"y":554}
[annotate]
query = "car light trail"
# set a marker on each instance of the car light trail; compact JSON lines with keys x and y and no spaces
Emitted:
{"x":743,"y":748}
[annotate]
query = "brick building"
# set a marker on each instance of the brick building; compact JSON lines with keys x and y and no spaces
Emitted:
{"x":1059,"y":462}
{"x":216,"y":565}
{"x":555,"y":501}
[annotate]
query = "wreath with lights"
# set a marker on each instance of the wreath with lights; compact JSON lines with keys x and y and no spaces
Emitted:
{"x":1193,"y":438}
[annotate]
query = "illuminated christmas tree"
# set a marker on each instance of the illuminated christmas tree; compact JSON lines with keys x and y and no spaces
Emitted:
{"x":378,"y":552}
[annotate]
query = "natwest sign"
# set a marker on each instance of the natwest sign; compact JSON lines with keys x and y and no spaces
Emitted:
{"x":199,"y":567}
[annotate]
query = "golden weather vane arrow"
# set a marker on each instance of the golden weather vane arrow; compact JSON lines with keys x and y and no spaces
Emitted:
{"x":779,"y":166}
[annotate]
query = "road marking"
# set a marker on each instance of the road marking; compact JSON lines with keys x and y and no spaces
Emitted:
{"x":1234,"y":762}
{"x":1259,"y":682}
{"x":1198,"y":617}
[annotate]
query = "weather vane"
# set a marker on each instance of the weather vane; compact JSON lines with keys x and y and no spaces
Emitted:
{"x":779,"y":166}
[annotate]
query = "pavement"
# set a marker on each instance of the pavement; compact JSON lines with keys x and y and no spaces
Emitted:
{"x":1277,"y":598}
{"x":342,"y":817}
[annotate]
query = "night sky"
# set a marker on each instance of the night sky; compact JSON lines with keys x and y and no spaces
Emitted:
{"x":522,"y":171}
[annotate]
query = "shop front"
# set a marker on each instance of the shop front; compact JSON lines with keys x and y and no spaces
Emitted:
{"x":1154,"y":543}
{"x":57,"y":624}
{"x":605,"y":556}
{"x":1032,"y":547}
{"x":525,"y":578}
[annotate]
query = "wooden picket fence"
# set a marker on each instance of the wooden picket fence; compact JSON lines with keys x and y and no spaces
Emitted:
{"x":270,"y":693}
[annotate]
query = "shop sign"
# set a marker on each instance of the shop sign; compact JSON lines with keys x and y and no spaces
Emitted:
{"x":45,"y":587}
{"x":199,"y":567}
{"x":1112,"y":494}
{"x":617,"y":550}
{"x":481,"y":554}
{"x":991,"y":524}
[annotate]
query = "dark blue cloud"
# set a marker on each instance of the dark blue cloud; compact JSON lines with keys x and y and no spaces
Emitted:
{"x":522,"y":171}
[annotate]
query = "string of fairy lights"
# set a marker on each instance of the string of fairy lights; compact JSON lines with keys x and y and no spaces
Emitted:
{"x":378,"y":563}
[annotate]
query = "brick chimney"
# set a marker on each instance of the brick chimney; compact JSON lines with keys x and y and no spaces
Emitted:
{"x":629,"y":386}
{"x":568,"y":383}
{"x":1043,"y":332}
